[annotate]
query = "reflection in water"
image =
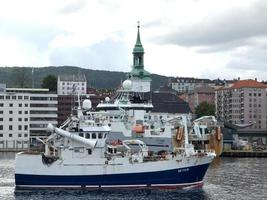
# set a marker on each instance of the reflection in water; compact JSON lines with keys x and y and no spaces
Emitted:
{"x":227,"y":178}
{"x":114,"y":194}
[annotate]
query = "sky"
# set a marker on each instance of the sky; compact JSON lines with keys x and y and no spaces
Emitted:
{"x":213,"y":39}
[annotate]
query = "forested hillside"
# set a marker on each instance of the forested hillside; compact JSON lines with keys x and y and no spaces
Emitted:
{"x":28,"y":76}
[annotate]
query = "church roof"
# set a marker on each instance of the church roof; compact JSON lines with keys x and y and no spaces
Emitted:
{"x":167,"y":102}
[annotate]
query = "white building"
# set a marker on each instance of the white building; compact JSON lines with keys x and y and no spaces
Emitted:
{"x":24,"y":115}
{"x":66,"y":84}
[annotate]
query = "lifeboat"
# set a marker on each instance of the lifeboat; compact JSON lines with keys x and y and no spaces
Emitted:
{"x":138,"y":128}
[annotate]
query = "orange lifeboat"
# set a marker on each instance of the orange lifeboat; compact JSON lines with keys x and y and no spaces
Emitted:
{"x":138,"y":128}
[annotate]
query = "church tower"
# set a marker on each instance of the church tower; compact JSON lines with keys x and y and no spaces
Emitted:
{"x":140,"y":78}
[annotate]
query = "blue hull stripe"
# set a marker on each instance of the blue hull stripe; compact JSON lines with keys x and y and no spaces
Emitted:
{"x":176,"y":176}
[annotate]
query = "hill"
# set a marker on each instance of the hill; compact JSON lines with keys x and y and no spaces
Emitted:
{"x":100,"y":79}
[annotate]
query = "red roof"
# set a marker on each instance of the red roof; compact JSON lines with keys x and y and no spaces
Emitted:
{"x":248,"y":84}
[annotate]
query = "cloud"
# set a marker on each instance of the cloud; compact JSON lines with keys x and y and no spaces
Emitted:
{"x":72,"y":6}
{"x":35,"y":34}
{"x":107,"y":54}
{"x":251,"y":58}
{"x":231,"y":28}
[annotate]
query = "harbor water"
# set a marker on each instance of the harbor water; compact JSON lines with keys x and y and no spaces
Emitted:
{"x":227,"y":178}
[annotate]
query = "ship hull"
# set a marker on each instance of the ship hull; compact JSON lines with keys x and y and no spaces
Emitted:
{"x":167,"y":179}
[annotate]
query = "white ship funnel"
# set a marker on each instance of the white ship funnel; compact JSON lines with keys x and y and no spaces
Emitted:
{"x":91,"y":143}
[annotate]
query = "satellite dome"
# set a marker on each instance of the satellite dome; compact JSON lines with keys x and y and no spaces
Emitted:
{"x":87,"y":104}
{"x":107,"y":99}
{"x":127,"y":85}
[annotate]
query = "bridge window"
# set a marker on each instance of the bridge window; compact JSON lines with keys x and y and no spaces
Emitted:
{"x":81,"y":134}
{"x":100,"y":135}
{"x":87,"y":135}
{"x":93,"y":135}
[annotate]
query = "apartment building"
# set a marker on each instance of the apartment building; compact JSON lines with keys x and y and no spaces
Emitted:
{"x":200,"y":94}
{"x":244,"y":102}
{"x":24,"y":115}
{"x":66,"y":84}
{"x":186,"y":84}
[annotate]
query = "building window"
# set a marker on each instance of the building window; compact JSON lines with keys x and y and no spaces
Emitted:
{"x":10,"y":127}
{"x":20,"y":112}
{"x":11,"y":105}
{"x":1,"y":135}
{"x":26,"y":97}
{"x":25,"y":135}
{"x":1,"y":127}
{"x":1,"y":97}
{"x":10,"y":135}
{"x":26,"y":111}
{"x":7,"y":97}
{"x":20,"y":119}
{"x":20,"y":105}
{"x":10,"y":119}
{"x":1,"y":119}
{"x":19,"y":97}
{"x":25,"y":127}
{"x":14,"y":97}
{"x":26,"y":105}
{"x":1,"y":111}
{"x":1,"y":105}
{"x":10,"y":112}
{"x":25,"y":119}
{"x":19,"y":135}
{"x":20,"y":127}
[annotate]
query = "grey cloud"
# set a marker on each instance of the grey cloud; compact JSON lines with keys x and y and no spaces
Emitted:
{"x":38,"y":35}
{"x":235,"y":25}
{"x":154,"y":23}
{"x":73,"y":7}
{"x":253,"y":59}
{"x":108,"y":54}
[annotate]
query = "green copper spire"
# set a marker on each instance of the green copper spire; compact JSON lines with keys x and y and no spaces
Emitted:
{"x":138,"y":48}
{"x":138,"y":59}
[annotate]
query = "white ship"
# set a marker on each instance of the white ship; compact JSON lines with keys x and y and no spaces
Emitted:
{"x":80,"y":156}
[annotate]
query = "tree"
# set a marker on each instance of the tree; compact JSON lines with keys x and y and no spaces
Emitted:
{"x":22,"y":76}
{"x":204,"y":108}
{"x":50,"y":82}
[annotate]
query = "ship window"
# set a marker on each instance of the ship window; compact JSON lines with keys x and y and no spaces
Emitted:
{"x":89,"y":151}
{"x":100,"y":135}
{"x":81,"y":134}
{"x":93,"y":135}
{"x":87,"y":135}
